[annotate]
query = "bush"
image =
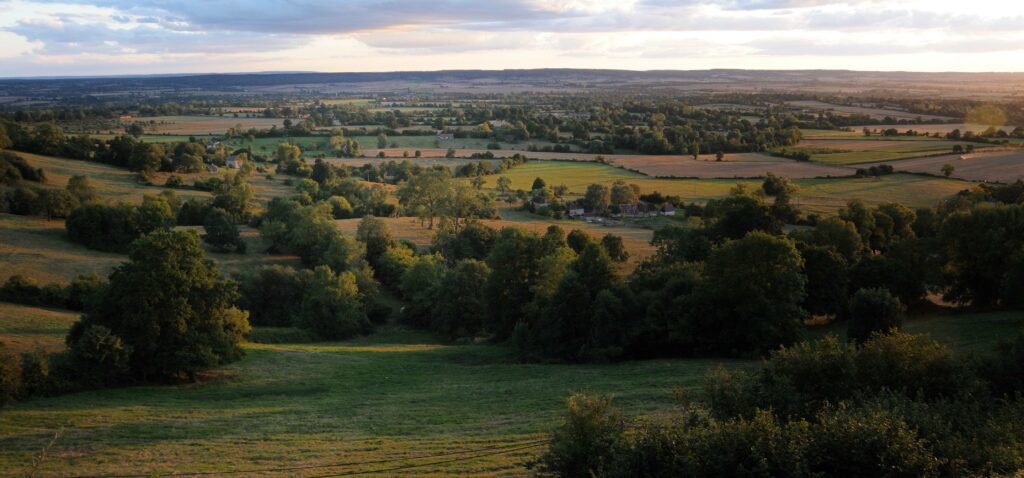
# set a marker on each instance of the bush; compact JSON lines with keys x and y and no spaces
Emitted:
{"x":873,"y":311}
{"x":21,"y":289}
{"x":10,"y":375}
{"x":272,"y":295}
{"x":99,"y":357}
{"x":589,"y":440}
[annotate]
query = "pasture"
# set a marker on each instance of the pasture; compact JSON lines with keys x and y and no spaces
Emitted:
{"x":188,"y":125}
{"x":992,"y":166}
{"x":855,"y":151}
{"x":395,"y":398}
{"x":40,"y":249}
{"x":822,"y":196}
{"x":873,"y":112}
{"x":745,"y":165}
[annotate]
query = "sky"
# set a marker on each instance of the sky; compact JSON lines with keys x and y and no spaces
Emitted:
{"x":121,"y":37}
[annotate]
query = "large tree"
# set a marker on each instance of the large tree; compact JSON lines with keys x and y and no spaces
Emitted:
{"x":170,"y":305}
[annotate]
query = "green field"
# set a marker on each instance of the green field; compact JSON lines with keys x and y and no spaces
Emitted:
{"x":815,"y":195}
{"x":394,"y":395}
{"x":313,"y":145}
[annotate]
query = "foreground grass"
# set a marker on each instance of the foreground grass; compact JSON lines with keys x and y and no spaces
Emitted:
{"x":397,"y":395}
{"x":393,"y":395}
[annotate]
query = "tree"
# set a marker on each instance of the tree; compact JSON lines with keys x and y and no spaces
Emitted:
{"x":82,"y":188}
{"x":873,"y":311}
{"x":622,"y":193}
{"x":374,"y":232}
{"x":948,"y":169}
{"x":538,"y":183}
{"x":58,"y":203}
{"x":170,"y":305}
{"x":236,"y":196}
{"x":221,"y":231}
{"x":515,"y":263}
{"x":976,"y":245}
{"x":827,"y":278}
{"x":330,"y":305}
{"x":146,"y":158}
{"x":504,"y":184}
{"x":615,"y":248}
{"x":382,"y":141}
{"x":420,"y":286}
{"x":428,"y":194}
{"x":749,"y":301}
{"x":597,"y":198}
{"x":478,"y":182}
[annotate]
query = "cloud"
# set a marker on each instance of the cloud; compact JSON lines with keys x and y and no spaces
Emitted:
{"x":224,"y":35}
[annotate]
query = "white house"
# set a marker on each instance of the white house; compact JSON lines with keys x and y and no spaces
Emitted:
{"x":233,"y":162}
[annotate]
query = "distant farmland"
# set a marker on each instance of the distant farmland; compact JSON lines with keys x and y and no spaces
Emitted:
{"x":996,"y":166}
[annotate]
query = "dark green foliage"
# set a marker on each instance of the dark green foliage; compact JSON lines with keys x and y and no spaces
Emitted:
{"x":169,"y":304}
{"x":82,"y":292}
{"x":99,"y":358}
{"x":613,"y":245}
{"x":749,"y":301}
{"x":585,"y":319}
{"x":977,"y":245}
{"x":375,"y":234}
{"x":221,"y":231}
{"x":10,"y":375}
{"x":873,"y":311}
{"x":682,"y":244}
{"x":1004,"y":370}
{"x":330,"y":306}
{"x":739,"y":214}
{"x":421,"y":288}
{"x":459,"y":310}
{"x":884,"y":272}
{"x":515,"y":263}
{"x":271,"y":294}
{"x":112,"y":228}
{"x":14,"y":168}
{"x":827,"y":280}
{"x":58,"y":203}
{"x":473,"y":241}
{"x":587,"y":442}
{"x":577,"y":240}
{"x":21,"y":289}
{"x":192,"y":212}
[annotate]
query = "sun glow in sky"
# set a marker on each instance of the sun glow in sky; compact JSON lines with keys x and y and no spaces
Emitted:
{"x":111,"y":37}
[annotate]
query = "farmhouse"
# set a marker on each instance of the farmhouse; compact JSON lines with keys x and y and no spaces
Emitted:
{"x":233,"y":162}
{"x":668,"y":209}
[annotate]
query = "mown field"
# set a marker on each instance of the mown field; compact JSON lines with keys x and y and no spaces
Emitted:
{"x":393,"y":396}
{"x":997,"y":166}
{"x":396,"y":398}
{"x":877,"y":113}
{"x":186,"y":125}
{"x":854,"y":151}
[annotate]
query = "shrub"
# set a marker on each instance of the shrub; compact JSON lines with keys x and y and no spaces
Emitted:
{"x":99,"y":357}
{"x":21,"y":289}
{"x":330,"y":306}
{"x":589,"y":440}
{"x":10,"y":375}
{"x":873,"y":311}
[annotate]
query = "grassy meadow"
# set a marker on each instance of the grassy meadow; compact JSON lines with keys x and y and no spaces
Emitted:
{"x":394,"y":396}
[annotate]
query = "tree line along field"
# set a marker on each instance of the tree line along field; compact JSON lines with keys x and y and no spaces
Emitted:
{"x":392,"y":396}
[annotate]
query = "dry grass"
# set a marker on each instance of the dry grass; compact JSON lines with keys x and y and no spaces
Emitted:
{"x":27,"y":329}
{"x":995,"y":166}
{"x":203,"y":124}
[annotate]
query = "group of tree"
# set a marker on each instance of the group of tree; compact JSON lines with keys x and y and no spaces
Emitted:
{"x":166,"y":314}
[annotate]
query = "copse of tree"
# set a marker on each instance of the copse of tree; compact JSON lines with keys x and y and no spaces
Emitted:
{"x":171,"y":307}
{"x":460,"y":311}
{"x":78,"y":295}
{"x":112,"y":228}
{"x":14,"y":168}
{"x":977,"y":244}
